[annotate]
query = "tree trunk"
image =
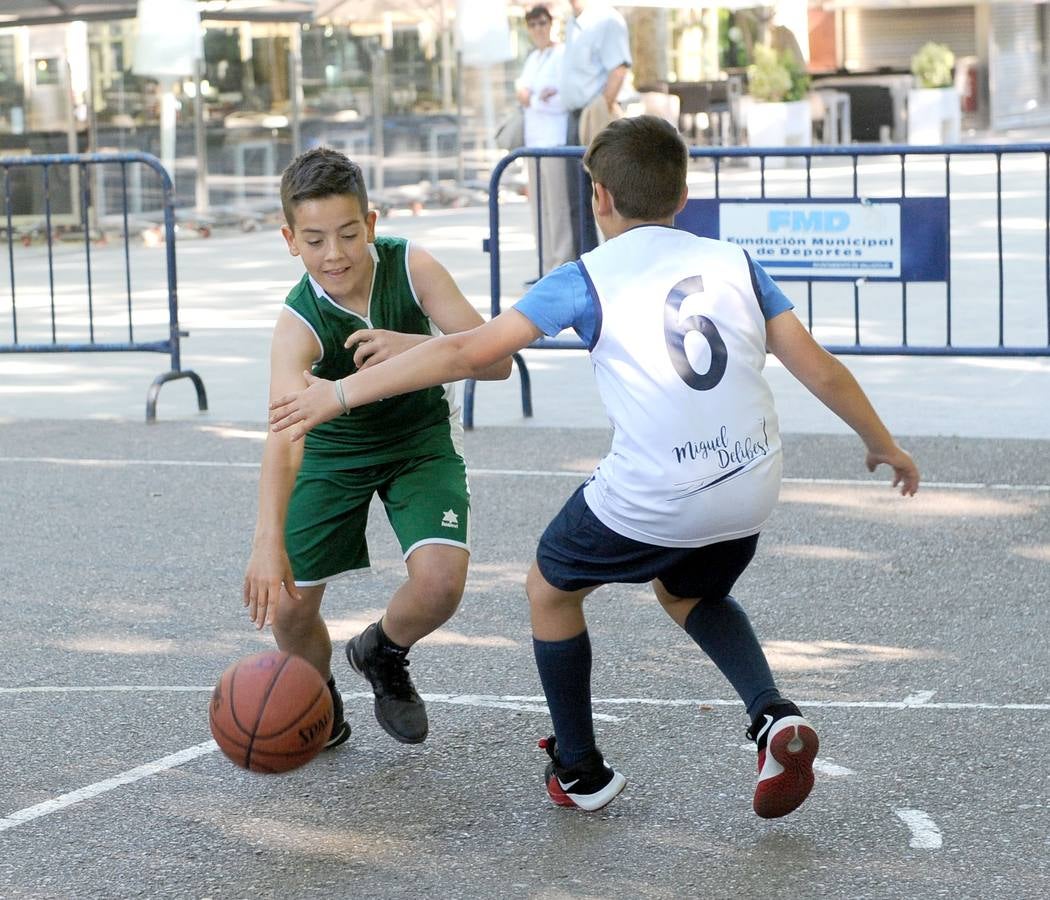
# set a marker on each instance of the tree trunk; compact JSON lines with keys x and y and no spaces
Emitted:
{"x":649,"y":44}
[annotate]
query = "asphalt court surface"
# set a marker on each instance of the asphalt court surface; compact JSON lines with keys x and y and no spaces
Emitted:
{"x":912,"y":631}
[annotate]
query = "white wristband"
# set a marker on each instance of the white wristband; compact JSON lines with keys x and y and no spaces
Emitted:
{"x":340,"y":396}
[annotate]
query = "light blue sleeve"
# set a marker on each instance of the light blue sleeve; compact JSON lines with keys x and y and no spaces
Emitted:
{"x":561,"y":300}
{"x":614,"y":47}
{"x":771,"y":298}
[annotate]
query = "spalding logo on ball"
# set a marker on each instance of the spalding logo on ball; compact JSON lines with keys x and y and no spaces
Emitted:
{"x":271,"y":712}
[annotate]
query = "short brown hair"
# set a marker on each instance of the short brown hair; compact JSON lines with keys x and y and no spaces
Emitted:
{"x":537,"y":12}
{"x":642,"y":161}
{"x":318,"y":173}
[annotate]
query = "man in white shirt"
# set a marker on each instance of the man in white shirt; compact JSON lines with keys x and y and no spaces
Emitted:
{"x":597,"y":57}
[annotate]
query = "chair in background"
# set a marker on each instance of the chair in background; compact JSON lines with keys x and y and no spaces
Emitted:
{"x":831,"y":116}
{"x":709,"y":111}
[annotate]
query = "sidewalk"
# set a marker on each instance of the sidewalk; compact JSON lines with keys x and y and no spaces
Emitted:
{"x":231,"y":286}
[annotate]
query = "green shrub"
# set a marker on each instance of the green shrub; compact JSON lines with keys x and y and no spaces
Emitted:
{"x":776,"y":77}
{"x":932,"y":65}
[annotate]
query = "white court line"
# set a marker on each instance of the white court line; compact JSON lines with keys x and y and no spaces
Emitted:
{"x":927,"y":830}
{"x":824,"y":766}
{"x":919,"y":698}
{"x":925,"y":835}
{"x":120,"y":463}
{"x":827,"y":767}
{"x":105,"y":688}
{"x":534,"y":704}
{"x":100,"y":787}
{"x":503,"y":700}
{"x":532,"y":473}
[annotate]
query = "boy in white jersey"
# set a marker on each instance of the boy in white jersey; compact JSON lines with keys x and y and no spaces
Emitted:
{"x":678,"y":328}
{"x":314,"y":496}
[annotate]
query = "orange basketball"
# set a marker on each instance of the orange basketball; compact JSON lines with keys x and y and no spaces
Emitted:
{"x":271,"y":712}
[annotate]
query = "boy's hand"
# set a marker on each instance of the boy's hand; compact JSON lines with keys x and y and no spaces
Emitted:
{"x":304,"y":409}
{"x":905,"y":472}
{"x":375,"y":345}
{"x":266,"y":574}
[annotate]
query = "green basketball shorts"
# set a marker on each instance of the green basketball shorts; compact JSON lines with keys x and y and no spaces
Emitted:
{"x":427,"y":501}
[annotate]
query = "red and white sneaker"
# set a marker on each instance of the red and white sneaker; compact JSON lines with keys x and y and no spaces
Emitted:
{"x":787,"y":746}
{"x":591,"y":784}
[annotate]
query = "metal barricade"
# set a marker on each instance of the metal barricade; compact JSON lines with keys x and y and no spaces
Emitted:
{"x":885,"y":249}
{"x":76,"y":309}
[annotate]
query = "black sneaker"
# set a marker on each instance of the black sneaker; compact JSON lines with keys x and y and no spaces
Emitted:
{"x":787,"y":746}
{"x":398,"y":708}
{"x":589,"y":785}
{"x":340,"y":727}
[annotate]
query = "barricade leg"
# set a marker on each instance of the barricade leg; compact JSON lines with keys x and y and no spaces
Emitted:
{"x":526,"y":394}
{"x":160,"y":380}
{"x":526,"y":385}
{"x":468,"y":404}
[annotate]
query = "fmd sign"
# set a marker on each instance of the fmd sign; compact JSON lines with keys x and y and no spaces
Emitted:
{"x":838,"y":241}
{"x":904,"y":239}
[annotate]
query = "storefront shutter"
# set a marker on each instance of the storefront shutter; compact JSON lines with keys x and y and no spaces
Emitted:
{"x":1013,"y":65}
{"x":888,"y":38}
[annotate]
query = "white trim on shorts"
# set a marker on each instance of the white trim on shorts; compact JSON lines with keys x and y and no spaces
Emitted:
{"x":337,"y":575}
{"x":446,"y":541}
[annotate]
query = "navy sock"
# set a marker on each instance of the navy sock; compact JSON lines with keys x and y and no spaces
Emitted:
{"x":565,"y":673}
{"x":723,"y":631}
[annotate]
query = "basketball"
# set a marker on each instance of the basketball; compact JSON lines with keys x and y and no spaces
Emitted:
{"x":271,"y":712}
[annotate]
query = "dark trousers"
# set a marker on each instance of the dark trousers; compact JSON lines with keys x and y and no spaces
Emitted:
{"x":584,"y":231}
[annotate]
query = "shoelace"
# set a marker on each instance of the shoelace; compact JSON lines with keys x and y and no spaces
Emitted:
{"x":393,"y":674}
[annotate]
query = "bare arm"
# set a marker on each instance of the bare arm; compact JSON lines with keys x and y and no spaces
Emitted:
{"x":442,"y":301}
{"x":450,"y":357}
{"x":293,"y":348}
{"x":613,"y":84}
{"x":834,"y":385}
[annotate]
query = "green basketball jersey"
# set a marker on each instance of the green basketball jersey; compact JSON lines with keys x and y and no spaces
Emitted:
{"x":409,"y":425}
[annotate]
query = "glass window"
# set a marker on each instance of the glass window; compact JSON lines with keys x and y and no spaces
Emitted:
{"x":336,"y":70}
{"x":1042,"y":36}
{"x":46,"y":72}
{"x":223,"y":67}
{"x":12,"y":92}
{"x":119,"y":96}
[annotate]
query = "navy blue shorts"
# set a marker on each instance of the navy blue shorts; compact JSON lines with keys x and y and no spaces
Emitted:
{"x":577,"y":551}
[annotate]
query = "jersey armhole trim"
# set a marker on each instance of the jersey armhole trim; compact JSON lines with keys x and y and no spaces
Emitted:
{"x":408,"y":278}
{"x":754,"y":284}
{"x":592,"y":293}
{"x":317,"y":337}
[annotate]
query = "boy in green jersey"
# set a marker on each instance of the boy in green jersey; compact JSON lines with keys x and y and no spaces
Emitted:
{"x":314,"y":495}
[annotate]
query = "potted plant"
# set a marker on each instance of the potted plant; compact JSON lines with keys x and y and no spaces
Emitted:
{"x":778,"y":112}
{"x":933,"y":106}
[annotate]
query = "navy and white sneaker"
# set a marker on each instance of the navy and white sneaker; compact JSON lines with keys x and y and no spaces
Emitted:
{"x":589,"y":785}
{"x":787,"y":746}
{"x":340,"y":727}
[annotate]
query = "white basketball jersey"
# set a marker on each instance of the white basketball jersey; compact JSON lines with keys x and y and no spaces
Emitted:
{"x":695,"y":456}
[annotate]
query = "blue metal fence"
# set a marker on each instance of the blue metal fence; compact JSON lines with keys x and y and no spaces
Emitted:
{"x":50,"y":198}
{"x":959,"y":264}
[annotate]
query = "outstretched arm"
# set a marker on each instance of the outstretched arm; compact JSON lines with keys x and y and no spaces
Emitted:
{"x":445,"y":305}
{"x":440,"y":360}
{"x":834,"y":385}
